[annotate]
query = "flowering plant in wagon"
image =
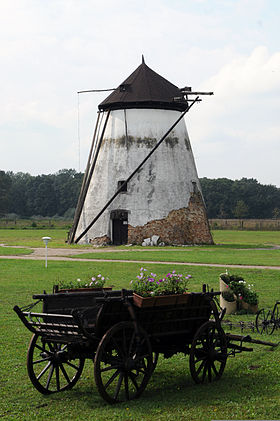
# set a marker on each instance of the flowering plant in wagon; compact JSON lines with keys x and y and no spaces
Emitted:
{"x":97,"y":281}
{"x":148,"y":285}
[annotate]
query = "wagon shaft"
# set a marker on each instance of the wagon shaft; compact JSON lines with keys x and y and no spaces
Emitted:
{"x":231,"y":337}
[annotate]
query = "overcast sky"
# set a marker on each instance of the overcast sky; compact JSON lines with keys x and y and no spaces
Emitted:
{"x":50,"y":49}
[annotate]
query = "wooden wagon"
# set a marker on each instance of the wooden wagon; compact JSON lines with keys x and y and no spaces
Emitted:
{"x":124,"y":341}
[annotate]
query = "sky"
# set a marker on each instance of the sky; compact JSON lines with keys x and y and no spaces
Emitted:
{"x":50,"y":49}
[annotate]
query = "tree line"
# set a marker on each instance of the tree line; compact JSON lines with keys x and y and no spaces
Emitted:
{"x":56,"y":194}
{"x":42,"y":195}
{"x":245,"y":198}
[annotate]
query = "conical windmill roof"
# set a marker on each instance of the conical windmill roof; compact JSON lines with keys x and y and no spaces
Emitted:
{"x":144,"y":88}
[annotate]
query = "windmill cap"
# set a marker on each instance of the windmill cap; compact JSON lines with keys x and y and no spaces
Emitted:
{"x":145,"y":88}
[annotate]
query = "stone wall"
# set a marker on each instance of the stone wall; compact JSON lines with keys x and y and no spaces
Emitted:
{"x":183,"y":226}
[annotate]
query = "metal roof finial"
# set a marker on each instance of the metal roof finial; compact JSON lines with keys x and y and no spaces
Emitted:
{"x":143,"y":61}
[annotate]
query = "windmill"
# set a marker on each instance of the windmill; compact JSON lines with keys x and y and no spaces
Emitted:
{"x":141,"y":179}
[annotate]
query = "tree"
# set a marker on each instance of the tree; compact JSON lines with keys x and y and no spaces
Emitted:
{"x":241,"y":209}
{"x":5,"y":185}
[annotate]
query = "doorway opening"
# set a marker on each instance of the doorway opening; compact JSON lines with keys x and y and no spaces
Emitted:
{"x":119,"y":227}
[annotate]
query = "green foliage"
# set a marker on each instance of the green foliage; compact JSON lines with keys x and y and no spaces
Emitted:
{"x":240,"y":288}
{"x":241,"y":209}
{"x":46,"y":195}
{"x":97,"y":281}
{"x":226,"y":198}
{"x":228,"y":296}
{"x":5,"y":185}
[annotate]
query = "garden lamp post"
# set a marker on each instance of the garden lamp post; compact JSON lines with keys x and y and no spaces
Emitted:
{"x":46,"y":240}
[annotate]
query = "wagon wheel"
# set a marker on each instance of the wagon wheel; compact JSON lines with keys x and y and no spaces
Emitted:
{"x":123,"y":363}
{"x":265,"y":322}
{"x":50,"y":367}
{"x":208,"y":355}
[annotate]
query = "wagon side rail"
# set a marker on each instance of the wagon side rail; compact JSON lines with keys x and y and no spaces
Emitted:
{"x":51,"y":326}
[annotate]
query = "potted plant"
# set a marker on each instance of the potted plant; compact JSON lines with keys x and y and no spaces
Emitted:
{"x":150,"y":290}
{"x":93,"y":283}
{"x":246,"y":298}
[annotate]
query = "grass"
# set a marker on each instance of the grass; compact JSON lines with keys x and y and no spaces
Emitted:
{"x":246,"y":238}
{"x":33,"y":238}
{"x":194,"y":255}
{"x":10,"y":251}
{"x":242,"y":393}
{"x":229,"y":238}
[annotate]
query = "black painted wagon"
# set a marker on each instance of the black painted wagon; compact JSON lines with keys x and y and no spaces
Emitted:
{"x":123,"y":340}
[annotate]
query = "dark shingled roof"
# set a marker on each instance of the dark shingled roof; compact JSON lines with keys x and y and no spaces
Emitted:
{"x":144,"y":88}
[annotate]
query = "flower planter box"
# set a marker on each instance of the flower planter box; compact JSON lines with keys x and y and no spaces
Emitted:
{"x":56,"y":290}
{"x":253,"y":308}
{"x":230,"y":306}
{"x":160,"y":300}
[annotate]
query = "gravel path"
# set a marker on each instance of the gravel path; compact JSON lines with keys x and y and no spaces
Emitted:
{"x":64,"y":255}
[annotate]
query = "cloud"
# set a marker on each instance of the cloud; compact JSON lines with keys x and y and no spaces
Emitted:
{"x":240,"y":123}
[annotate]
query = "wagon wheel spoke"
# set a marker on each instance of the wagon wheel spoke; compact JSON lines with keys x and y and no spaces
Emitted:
{"x":114,"y":376}
{"x":204,"y":371}
{"x":126,"y":386}
{"x":120,"y":350}
{"x":43,"y":371}
{"x":57,"y":377}
{"x":133,"y":379}
{"x":72,"y":365}
{"x":64,"y":372}
{"x":42,"y":349}
{"x":50,"y":376}
{"x":49,"y":368}
{"x":214,"y":368}
{"x":118,"y":386}
{"x":130,"y":357}
{"x":111,"y":367}
{"x":41,"y":360}
{"x":198,"y":370}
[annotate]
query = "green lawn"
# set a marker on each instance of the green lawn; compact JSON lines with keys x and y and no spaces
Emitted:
{"x":33,"y":238}
{"x":246,"y":238}
{"x":230,"y":238}
{"x":249,"y":388}
{"x":211,"y":255}
{"x":11,"y":251}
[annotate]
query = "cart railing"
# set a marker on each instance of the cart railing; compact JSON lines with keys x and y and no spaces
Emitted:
{"x":55,"y":327}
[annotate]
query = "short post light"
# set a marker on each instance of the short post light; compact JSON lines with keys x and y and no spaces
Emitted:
{"x":46,"y":240}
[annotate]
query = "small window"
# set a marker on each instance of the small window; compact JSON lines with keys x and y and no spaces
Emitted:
{"x":123,"y":185}
{"x":195,"y":189}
